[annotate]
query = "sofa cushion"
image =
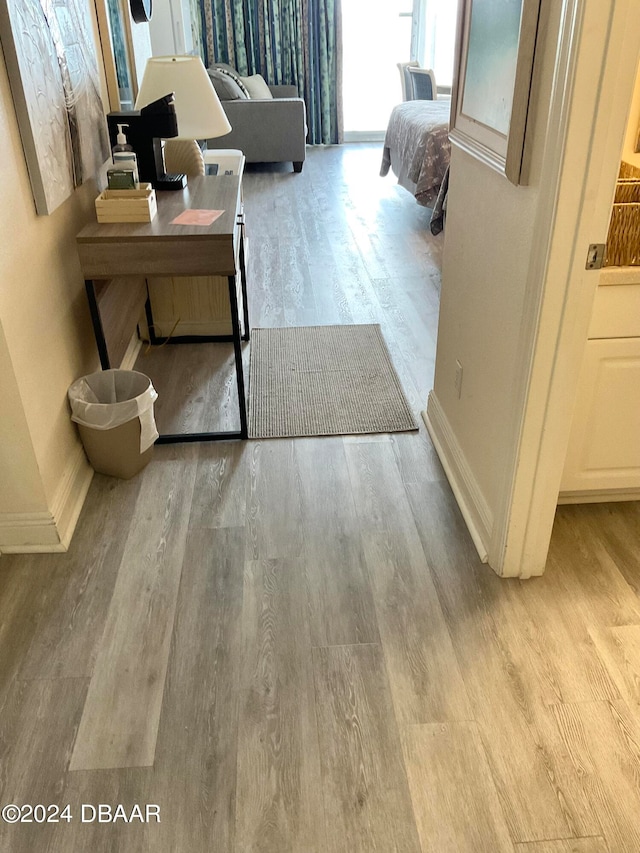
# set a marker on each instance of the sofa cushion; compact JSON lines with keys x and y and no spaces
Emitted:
{"x":224,"y":65}
{"x":227,"y":86}
{"x":257,"y":87}
{"x":233,"y":74}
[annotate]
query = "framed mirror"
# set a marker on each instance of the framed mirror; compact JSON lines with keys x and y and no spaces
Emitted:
{"x":492,"y":81}
{"x":116,"y":41}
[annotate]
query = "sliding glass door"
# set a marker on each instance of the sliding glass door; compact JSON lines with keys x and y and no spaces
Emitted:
{"x":434,"y":34}
{"x":376,"y":35}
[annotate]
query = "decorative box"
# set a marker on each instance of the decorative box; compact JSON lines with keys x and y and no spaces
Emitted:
{"x":127,"y":205}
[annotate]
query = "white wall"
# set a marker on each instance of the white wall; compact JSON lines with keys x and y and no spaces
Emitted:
{"x":487,"y":246}
{"x":516,"y":297}
{"x":21,"y":483}
{"x":141,"y":43}
{"x":45,"y":343}
{"x":488,"y":243}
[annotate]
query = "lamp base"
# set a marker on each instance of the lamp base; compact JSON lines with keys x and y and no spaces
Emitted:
{"x":170,"y":182}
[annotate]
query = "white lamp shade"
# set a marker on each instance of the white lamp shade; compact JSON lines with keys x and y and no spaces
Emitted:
{"x":198,"y":109}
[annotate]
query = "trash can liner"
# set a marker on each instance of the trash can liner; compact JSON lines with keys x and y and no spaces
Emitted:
{"x":110,"y":398}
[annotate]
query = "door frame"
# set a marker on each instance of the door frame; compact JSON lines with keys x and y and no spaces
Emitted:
{"x":596,"y":66}
{"x":106,"y":48}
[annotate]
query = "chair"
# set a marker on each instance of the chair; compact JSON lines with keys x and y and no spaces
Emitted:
{"x":422,"y":84}
{"x":405,"y":82}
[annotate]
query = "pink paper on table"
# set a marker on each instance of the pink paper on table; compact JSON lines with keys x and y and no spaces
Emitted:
{"x":197,"y":217}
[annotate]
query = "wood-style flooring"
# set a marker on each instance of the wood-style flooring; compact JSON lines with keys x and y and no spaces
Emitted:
{"x":290,"y":646}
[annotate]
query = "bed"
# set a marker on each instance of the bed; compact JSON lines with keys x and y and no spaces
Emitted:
{"x":417,"y":150}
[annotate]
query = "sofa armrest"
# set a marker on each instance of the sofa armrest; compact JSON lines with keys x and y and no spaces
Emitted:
{"x":284,"y":91}
{"x":266,"y":131}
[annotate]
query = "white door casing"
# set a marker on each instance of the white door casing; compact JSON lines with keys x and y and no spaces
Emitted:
{"x":593,"y":82}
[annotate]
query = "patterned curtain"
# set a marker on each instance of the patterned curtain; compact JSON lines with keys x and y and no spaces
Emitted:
{"x":294,"y":42}
{"x":196,"y":26}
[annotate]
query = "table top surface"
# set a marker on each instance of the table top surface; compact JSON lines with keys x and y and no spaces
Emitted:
{"x":201,"y":193}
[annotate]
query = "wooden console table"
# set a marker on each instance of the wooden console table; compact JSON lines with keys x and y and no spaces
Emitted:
{"x":116,"y":259}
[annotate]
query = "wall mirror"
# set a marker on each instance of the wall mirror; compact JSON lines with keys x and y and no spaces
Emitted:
{"x":116,"y":41}
{"x":492,"y":80}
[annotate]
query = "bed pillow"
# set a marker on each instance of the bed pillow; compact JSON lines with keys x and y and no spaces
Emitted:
{"x":226,"y":87}
{"x":257,"y":87}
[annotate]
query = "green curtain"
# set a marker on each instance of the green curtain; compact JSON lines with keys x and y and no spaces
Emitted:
{"x":196,"y":26}
{"x":295,"y":42}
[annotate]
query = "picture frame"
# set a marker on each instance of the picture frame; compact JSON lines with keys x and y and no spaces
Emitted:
{"x":117,"y":53}
{"x":53,"y":72}
{"x":496,"y":42}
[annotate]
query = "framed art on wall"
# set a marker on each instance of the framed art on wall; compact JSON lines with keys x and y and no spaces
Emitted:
{"x":51,"y":61}
{"x":491,"y":90}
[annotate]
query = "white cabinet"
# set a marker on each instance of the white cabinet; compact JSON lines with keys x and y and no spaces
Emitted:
{"x":603,"y":457}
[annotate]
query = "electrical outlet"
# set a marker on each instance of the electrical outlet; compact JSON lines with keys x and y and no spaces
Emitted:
{"x":458,"y":380}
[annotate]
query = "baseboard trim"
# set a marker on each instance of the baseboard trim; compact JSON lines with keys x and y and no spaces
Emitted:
{"x":29,"y":532}
{"x":70,"y":496}
{"x":169,"y":329}
{"x":595,"y":497}
{"x":132,"y":352}
{"x":49,"y":532}
{"x":364,"y":136}
{"x":473,"y":506}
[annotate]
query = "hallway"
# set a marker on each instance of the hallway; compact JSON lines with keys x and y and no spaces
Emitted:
{"x":290,"y":646}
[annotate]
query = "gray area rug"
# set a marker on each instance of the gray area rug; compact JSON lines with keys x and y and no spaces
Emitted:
{"x":324,"y":380}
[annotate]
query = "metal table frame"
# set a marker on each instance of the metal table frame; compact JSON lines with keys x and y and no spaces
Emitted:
{"x":236,"y":337}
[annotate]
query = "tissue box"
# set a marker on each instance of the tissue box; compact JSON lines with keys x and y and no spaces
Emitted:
{"x":127,"y":205}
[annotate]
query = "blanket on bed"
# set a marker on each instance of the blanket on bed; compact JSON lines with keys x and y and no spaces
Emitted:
{"x":418,"y":135}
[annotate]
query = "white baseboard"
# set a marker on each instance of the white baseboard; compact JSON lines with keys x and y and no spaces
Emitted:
{"x":473,"y":506}
{"x":29,"y":532}
{"x":364,"y":136}
{"x":132,"y":353}
{"x":169,"y":329}
{"x":49,"y":532}
{"x":70,"y":495}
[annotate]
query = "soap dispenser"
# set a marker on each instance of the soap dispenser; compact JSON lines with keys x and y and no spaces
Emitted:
{"x":124,"y":157}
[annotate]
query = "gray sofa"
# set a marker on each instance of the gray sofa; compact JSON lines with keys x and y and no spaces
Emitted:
{"x":266,"y":130}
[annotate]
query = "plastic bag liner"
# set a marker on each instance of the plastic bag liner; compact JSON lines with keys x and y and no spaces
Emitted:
{"x":110,"y":398}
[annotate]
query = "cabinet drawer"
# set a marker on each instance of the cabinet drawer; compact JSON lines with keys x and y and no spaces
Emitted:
{"x":616,"y":312}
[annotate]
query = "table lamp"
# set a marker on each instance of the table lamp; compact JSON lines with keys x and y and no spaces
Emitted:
{"x":198,"y":111}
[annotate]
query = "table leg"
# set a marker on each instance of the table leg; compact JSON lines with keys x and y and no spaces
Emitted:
{"x":237,"y":347}
{"x":175,"y":438}
{"x":154,"y":340}
{"x":243,"y":284}
{"x":98,"y":331}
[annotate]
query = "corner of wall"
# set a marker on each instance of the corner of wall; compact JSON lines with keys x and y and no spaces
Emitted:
{"x":49,"y":531}
{"x":473,"y":506}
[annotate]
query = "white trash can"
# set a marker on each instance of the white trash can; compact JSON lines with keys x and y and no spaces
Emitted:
{"x":114,"y":413}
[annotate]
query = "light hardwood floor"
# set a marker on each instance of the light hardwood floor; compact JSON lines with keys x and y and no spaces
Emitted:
{"x":291,"y":646}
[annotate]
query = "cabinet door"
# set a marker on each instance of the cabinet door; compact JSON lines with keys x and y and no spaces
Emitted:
{"x":604,"y":448}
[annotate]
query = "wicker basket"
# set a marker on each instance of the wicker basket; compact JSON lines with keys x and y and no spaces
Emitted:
{"x":627,"y":191}
{"x":623,"y":240}
{"x":627,"y":170}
